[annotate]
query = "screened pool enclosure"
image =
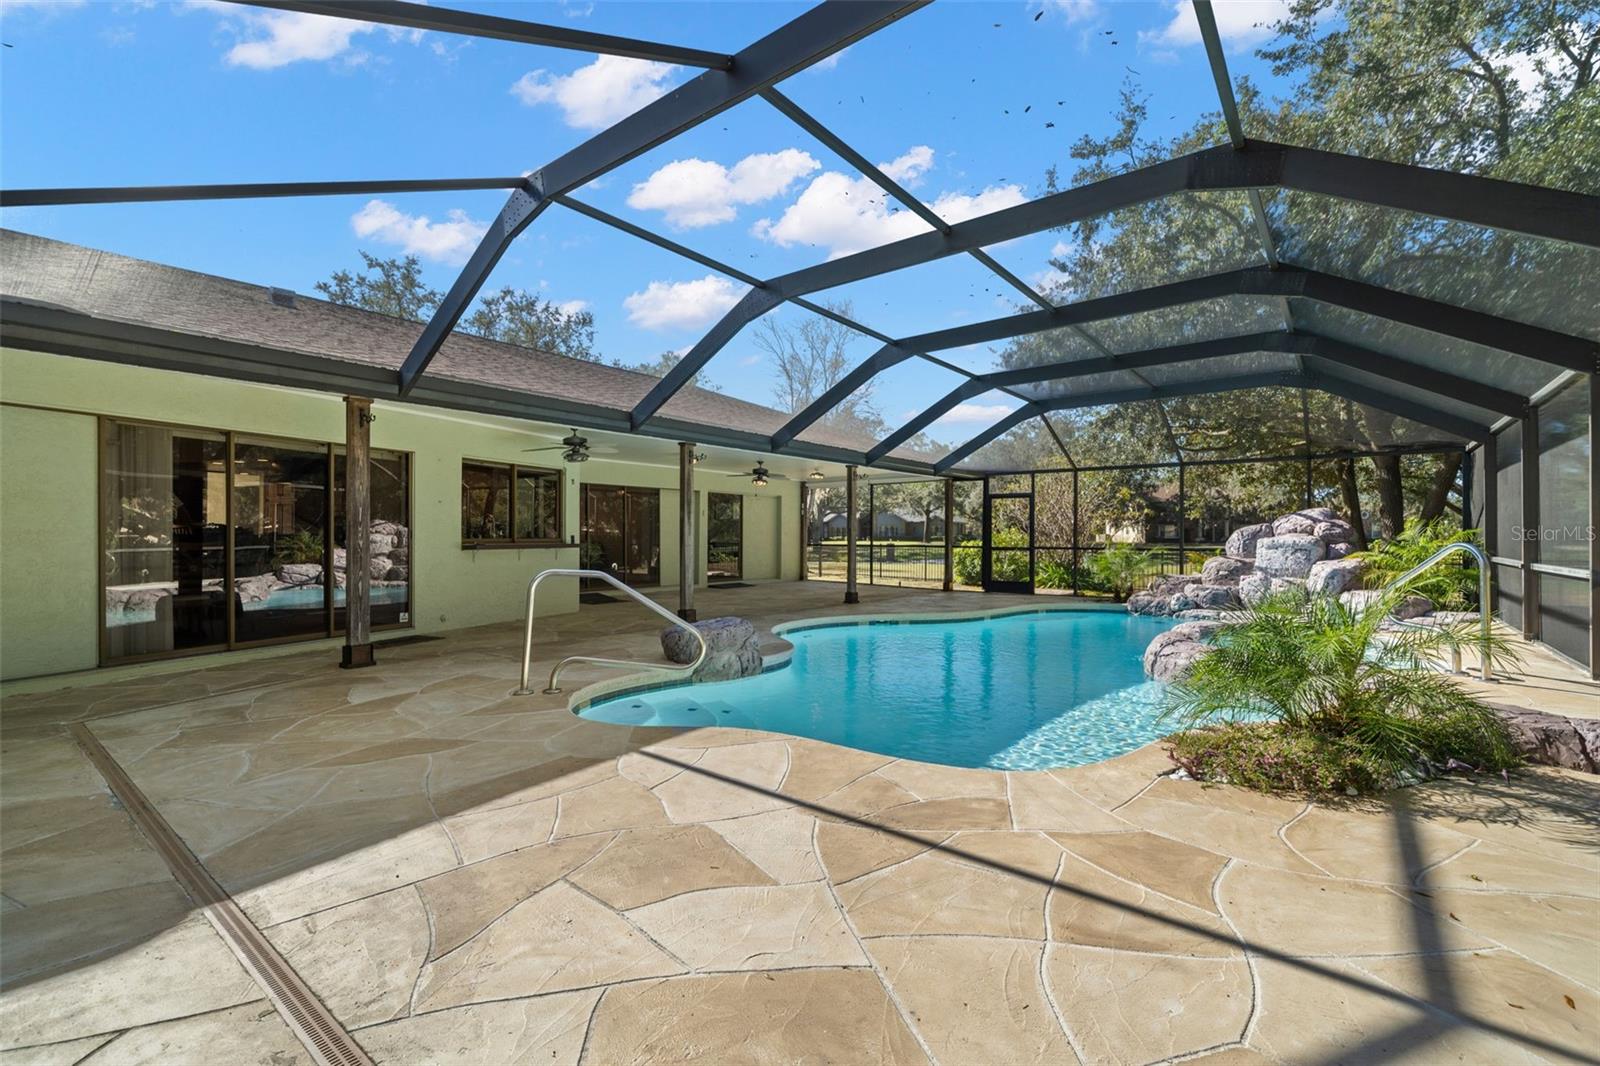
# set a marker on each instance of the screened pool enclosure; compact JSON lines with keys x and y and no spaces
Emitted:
{"x":1253,"y":324}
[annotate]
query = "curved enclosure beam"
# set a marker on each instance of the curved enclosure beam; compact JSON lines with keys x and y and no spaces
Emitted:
{"x":137,"y":194}
{"x":1428,"y":416}
{"x":1440,"y":420}
{"x":1518,"y":338}
{"x":1323,"y":349}
{"x":813,"y":36}
{"x":473,"y":24}
{"x":1549,"y":213}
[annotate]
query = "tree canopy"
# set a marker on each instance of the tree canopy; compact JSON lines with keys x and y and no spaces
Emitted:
{"x":395,"y":287}
{"x":1505,"y":88}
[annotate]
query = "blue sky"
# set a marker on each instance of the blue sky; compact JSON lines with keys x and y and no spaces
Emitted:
{"x":967,"y":102}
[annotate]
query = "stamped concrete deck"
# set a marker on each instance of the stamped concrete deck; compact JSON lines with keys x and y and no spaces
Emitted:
{"x":465,"y":876}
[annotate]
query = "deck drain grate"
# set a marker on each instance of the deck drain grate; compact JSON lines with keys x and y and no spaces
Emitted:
{"x":329,"y":1043}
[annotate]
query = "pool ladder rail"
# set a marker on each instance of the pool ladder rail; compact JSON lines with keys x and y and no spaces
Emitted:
{"x":526,"y":689}
{"x":1485,"y":671}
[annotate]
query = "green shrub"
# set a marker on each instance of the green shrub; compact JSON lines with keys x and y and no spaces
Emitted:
{"x":1117,"y":568}
{"x":1052,"y":573}
{"x":968,"y":562}
{"x":1449,"y":586}
{"x":1008,"y":566}
{"x":1315,"y":698}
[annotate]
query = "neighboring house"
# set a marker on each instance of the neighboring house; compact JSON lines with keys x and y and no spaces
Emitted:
{"x":890,"y":525}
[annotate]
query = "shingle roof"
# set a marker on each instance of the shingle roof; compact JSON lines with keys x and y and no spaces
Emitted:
{"x":118,"y":288}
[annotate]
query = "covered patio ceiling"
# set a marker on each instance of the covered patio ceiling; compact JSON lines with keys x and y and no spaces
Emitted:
{"x":1451,"y":357}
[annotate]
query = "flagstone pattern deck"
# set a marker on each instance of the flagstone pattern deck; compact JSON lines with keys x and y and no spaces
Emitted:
{"x":467,"y":876}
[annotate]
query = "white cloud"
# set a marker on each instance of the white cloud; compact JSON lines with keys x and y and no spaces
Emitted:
{"x":846,"y":214}
{"x":964,"y":413}
{"x":450,"y":241}
{"x":1074,"y":10}
{"x":667,"y":305}
{"x":1050,"y":279}
{"x":909,"y":168}
{"x":697,"y":192}
{"x":1529,"y":69}
{"x":284,"y":37}
{"x":595,"y":96}
{"x":750,"y":360}
{"x":572,"y":307}
{"x":830,"y":62}
{"x":1240,"y":23}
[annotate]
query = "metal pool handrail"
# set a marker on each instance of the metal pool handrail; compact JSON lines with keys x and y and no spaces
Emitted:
{"x":1485,"y":671}
{"x":555,"y":674}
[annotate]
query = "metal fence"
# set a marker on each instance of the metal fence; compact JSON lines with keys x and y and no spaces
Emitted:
{"x":910,"y":565}
{"x":922,"y":565}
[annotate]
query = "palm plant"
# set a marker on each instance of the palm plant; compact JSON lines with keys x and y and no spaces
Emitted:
{"x":1119,"y":567}
{"x":1290,"y":680}
{"x":1447,"y":586}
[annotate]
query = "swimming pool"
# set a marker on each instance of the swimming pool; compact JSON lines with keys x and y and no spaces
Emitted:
{"x":1021,"y":691}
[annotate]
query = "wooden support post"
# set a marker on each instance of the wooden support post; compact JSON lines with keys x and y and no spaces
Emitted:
{"x":850,"y":593}
{"x":687,"y":553}
{"x":949,"y":534}
{"x":357,"y":650}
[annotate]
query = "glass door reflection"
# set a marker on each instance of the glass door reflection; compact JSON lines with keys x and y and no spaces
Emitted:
{"x":280,"y":543}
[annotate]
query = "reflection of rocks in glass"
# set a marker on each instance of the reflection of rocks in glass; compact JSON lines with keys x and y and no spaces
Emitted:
{"x":389,"y":555}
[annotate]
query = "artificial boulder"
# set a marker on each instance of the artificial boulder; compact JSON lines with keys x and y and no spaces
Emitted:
{"x":1222,"y":570}
{"x":1253,"y":588}
{"x":1333,"y":576}
{"x":1242,"y":541}
{"x":1210,"y":597}
{"x":1288,"y":586}
{"x":1552,"y":740}
{"x":1334,"y":531}
{"x":1148,"y":603}
{"x":1412,"y":607}
{"x":1305,"y":521}
{"x":732,"y":649}
{"x":1339,"y":551}
{"x":1291,"y":555}
{"x":1360,"y":600}
{"x":1167,"y":584}
{"x":1170,"y":655}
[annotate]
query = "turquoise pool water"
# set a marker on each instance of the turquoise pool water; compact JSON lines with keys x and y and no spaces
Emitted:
{"x":1018,"y":692}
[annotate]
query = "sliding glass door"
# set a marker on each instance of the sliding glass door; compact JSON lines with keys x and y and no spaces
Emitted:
{"x":164,"y":541}
{"x":621,"y":533}
{"x":212,"y":541}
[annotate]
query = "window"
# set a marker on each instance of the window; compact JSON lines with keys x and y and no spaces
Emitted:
{"x":214,"y":541}
{"x":725,"y":543}
{"x":504,"y":504}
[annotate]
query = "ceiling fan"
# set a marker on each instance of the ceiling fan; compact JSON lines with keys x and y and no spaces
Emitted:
{"x":759,"y":475}
{"x":575,"y":448}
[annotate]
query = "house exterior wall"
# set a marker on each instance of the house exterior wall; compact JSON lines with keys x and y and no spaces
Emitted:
{"x":50,"y":601}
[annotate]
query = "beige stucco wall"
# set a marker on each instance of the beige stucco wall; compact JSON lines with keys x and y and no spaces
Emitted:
{"x":49,"y":595}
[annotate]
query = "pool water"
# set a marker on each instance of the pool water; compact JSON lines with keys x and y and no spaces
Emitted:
{"x":1016,"y":692}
